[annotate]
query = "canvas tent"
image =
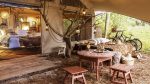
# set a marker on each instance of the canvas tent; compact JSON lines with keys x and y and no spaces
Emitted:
{"x":135,"y":8}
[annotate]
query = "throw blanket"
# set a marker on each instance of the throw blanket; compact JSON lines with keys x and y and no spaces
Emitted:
{"x":14,"y":41}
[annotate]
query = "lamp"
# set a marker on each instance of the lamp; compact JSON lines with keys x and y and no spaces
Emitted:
{"x":4,"y":14}
{"x":83,"y":12}
{"x":94,"y":31}
{"x":77,"y":37}
{"x":77,"y":31}
{"x":2,"y":32}
{"x":25,"y":26}
{"x":46,"y":28}
{"x":32,"y":21}
{"x":21,"y":19}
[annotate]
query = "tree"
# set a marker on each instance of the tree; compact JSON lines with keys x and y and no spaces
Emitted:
{"x":77,"y":22}
{"x":118,"y":21}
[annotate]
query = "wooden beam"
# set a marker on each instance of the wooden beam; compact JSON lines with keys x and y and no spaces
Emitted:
{"x":71,"y":11}
{"x":35,"y":15}
{"x":20,"y":3}
{"x":87,"y":3}
{"x":71,"y":8}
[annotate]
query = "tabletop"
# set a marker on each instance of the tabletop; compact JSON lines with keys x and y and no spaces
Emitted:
{"x":94,"y":54}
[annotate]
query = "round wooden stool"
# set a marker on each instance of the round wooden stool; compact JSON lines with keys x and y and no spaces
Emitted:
{"x":76,"y":72}
{"x":123,"y":68}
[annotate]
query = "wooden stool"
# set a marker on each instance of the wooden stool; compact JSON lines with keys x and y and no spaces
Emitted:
{"x":76,"y":72}
{"x":123,"y":68}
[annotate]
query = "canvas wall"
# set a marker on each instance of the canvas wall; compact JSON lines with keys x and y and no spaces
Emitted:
{"x":50,"y":40}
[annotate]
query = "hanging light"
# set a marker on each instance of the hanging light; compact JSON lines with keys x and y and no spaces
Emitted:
{"x":4,"y":14}
{"x":2,"y":32}
{"x":25,"y":26}
{"x":95,"y":30}
{"x":83,"y":12}
{"x":46,"y":28}
{"x":21,"y":19}
{"x":77,"y":31}
{"x":31,"y":20}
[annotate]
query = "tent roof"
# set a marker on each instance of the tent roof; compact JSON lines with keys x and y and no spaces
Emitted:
{"x":135,"y":8}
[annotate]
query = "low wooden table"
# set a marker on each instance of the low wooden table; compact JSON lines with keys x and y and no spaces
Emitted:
{"x":96,"y":58}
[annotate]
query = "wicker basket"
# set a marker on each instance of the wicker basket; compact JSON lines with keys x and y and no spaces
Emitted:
{"x":128,"y":60}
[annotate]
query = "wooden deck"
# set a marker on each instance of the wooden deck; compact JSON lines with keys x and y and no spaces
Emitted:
{"x":18,"y":67}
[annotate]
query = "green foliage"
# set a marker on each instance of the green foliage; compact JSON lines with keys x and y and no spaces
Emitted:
{"x":66,"y":24}
{"x":100,"y":21}
{"x":141,"y":32}
{"x":118,"y":21}
{"x":133,"y":26}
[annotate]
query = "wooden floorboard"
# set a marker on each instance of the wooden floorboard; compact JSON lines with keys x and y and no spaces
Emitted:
{"x":18,"y":67}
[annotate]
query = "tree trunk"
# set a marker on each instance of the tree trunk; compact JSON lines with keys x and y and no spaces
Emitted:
{"x":68,"y":46}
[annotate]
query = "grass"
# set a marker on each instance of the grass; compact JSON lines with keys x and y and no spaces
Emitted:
{"x":143,"y":33}
{"x":140,"y":32}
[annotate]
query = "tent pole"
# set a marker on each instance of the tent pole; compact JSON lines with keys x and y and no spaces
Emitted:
{"x":107,"y":21}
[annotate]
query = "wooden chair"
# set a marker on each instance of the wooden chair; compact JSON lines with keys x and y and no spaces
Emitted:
{"x":124,"y":69}
{"x":76,"y":72}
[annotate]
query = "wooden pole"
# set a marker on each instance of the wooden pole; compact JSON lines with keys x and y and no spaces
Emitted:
{"x":107,"y":21}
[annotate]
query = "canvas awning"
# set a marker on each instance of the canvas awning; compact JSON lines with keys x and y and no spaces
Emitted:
{"x":20,"y":3}
{"x":135,"y":8}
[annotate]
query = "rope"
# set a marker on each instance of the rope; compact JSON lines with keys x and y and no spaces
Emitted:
{"x":54,"y":38}
{"x":51,"y":31}
{"x":47,"y":24}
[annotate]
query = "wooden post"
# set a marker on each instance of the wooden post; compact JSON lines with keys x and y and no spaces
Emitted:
{"x":107,"y":24}
{"x":93,"y":27}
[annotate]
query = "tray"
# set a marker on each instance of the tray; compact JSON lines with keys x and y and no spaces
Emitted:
{"x":99,"y":51}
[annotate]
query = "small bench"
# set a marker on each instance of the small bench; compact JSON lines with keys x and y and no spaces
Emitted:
{"x":76,"y":72}
{"x":123,"y":68}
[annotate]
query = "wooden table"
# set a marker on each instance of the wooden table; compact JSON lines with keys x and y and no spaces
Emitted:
{"x":96,"y":58}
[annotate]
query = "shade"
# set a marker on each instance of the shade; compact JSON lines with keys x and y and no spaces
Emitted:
{"x":135,"y":8}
